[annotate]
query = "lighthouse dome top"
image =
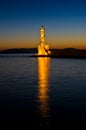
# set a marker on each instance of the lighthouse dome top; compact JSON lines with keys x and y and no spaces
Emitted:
{"x":42,"y":27}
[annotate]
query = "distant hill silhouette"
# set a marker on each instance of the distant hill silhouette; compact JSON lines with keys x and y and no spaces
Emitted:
{"x":70,"y":49}
{"x":57,"y":53}
{"x":69,"y":53}
{"x":18,"y":51}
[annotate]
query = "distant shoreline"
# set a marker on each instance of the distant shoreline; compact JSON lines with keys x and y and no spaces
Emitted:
{"x":56,"y":53}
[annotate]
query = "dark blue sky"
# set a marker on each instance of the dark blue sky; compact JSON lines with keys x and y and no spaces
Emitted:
{"x":64,"y":20}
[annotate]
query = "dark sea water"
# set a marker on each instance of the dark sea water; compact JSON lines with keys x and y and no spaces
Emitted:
{"x":43,"y":92}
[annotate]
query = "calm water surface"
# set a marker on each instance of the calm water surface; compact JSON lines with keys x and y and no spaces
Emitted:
{"x":43,"y":92}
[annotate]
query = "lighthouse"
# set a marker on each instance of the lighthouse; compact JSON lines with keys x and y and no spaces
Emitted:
{"x":43,"y":48}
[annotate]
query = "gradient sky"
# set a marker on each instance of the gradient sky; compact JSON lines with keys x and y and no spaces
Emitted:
{"x":64,"y":21}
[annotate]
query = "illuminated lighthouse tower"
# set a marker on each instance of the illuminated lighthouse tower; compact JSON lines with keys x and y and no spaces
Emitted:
{"x":43,"y":49}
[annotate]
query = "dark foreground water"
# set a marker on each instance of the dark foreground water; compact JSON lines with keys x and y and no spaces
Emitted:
{"x":42,"y":92}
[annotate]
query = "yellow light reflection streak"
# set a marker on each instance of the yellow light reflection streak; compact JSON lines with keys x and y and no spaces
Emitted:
{"x":43,"y":87}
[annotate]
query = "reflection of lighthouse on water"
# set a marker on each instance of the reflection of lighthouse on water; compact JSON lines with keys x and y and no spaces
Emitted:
{"x":43,"y":89}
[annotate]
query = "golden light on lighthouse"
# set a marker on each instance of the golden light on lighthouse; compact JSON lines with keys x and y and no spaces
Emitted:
{"x":43,"y":48}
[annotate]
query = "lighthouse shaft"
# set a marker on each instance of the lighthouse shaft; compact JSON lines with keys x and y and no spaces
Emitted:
{"x":42,"y":35}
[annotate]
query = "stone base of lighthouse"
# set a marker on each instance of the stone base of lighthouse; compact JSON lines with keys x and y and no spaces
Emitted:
{"x":43,"y":50}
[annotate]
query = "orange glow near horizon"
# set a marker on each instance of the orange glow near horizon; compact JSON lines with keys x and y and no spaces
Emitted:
{"x":53,"y":44}
{"x":20,"y":44}
{"x":57,"y":41}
